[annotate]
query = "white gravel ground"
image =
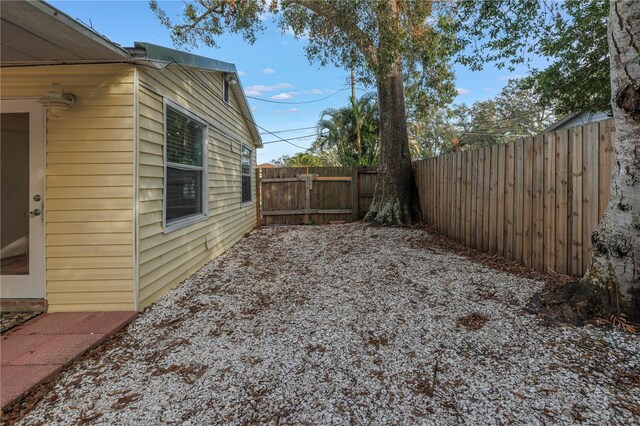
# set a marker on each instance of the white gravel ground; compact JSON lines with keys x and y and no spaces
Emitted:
{"x":347,"y":324}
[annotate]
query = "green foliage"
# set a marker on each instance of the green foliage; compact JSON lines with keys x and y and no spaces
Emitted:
{"x":572,"y":33}
{"x":204,"y":21}
{"x":338,"y":130}
{"x":369,"y":35}
{"x":432,"y":134}
{"x":301,"y":159}
{"x":578,"y":79}
{"x":514,"y":113}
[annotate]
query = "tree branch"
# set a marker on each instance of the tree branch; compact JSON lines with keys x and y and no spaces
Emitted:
{"x":217,"y":10}
{"x":357,"y":36}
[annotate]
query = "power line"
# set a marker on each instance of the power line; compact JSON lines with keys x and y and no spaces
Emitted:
{"x":292,"y":139}
{"x":219,"y":95}
{"x":296,"y":103}
{"x":280,"y":139}
{"x":288,"y":130}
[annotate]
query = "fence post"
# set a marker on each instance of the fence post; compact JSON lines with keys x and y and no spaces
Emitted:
{"x":258,"y":197}
{"x":355,"y":192}
{"x":307,"y":216}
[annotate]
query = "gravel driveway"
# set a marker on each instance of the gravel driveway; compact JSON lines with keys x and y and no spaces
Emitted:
{"x":349,"y":324}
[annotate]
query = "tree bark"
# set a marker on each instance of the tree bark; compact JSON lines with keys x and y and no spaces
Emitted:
{"x":395,"y":199}
{"x":612,"y":282}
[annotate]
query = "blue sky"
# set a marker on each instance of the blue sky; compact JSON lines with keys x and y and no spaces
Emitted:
{"x":274,"y":68}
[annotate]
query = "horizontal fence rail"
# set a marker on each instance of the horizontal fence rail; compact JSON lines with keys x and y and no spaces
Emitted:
{"x":301,"y":195}
{"x":536,"y":200}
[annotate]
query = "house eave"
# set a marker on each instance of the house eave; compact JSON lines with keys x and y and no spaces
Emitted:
{"x":36,"y":32}
{"x":162,"y":56}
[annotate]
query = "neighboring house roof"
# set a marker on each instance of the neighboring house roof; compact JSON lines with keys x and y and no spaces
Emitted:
{"x":575,"y":119}
{"x":266,"y":166}
{"x":36,"y":33}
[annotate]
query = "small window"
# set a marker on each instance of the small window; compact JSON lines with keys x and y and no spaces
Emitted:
{"x":246,"y":169}
{"x":185,"y":157}
{"x":225,"y":90}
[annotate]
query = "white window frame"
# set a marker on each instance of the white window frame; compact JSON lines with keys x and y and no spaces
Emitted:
{"x":251,"y":172}
{"x":183,"y":222}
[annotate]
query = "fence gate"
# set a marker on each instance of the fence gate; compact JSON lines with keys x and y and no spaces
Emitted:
{"x":318,"y":195}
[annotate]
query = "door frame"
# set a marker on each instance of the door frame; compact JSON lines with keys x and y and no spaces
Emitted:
{"x":33,"y":285}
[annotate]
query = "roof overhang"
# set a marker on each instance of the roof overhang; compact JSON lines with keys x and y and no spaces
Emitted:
{"x":161,"y":56}
{"x":33,"y":33}
{"x":36,"y":33}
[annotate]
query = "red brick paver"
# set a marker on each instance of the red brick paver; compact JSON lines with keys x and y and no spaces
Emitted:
{"x":38,"y":349}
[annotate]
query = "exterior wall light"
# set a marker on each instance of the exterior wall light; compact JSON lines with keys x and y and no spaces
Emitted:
{"x":231,"y":79}
{"x":57,"y":100}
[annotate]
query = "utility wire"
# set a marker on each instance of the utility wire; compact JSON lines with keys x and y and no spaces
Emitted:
{"x":266,"y":131}
{"x":296,"y":103}
{"x":288,"y":130}
{"x":219,"y":95}
{"x":292,"y":139}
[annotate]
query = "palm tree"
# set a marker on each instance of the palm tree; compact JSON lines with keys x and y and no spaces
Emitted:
{"x":304,"y":159}
{"x":301,"y":159}
{"x":351,"y":132}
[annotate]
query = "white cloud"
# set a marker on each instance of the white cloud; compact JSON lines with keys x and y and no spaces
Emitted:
{"x":280,"y":86}
{"x":242,"y":73}
{"x":254,"y":109}
{"x":462,"y":91}
{"x":294,"y":110}
{"x":265,"y":16}
{"x":313,"y":92}
{"x":268,"y":71}
{"x":252,"y":92}
{"x":512,"y":77}
{"x":489,"y":89}
{"x":259,"y":89}
{"x":282,"y":97}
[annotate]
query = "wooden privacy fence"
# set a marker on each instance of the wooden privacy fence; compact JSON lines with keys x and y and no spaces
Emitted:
{"x":300,"y":195}
{"x":535,"y":200}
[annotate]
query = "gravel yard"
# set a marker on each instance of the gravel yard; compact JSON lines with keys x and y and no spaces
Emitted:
{"x":349,"y":324}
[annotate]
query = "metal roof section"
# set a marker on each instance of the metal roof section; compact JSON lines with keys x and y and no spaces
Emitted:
{"x":562,"y":121}
{"x":33,"y":32}
{"x":161,"y":56}
{"x":579,"y":118}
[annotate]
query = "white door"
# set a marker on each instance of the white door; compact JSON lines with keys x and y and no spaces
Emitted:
{"x":22,"y":173}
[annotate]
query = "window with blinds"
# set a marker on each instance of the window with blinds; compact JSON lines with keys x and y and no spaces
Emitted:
{"x":185,"y":168}
{"x":247,"y":172}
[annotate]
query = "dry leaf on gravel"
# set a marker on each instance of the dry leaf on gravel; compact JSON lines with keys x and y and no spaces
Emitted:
{"x":345,"y":324}
{"x":473,"y":321}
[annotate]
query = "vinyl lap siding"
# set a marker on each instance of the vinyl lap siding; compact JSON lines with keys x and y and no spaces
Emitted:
{"x":164,"y":260}
{"x":89,"y":184}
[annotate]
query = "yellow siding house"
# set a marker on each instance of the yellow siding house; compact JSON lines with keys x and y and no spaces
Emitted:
{"x":124,"y":170}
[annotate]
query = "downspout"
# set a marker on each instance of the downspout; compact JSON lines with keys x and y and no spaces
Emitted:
{"x":134,"y":221}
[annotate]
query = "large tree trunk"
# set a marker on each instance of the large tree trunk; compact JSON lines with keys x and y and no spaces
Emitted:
{"x":612,"y":282}
{"x":395,"y":199}
{"x":615,"y":267}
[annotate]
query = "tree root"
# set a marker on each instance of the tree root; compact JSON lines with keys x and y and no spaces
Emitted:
{"x":394,"y":212}
{"x":575,"y":303}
